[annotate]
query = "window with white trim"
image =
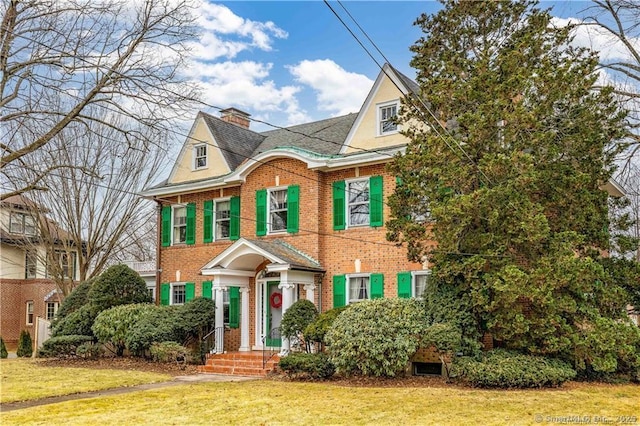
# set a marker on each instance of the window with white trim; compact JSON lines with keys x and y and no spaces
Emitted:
{"x":52,"y":309}
{"x":226,"y":303}
{"x":222,"y":217}
{"x":387,"y":113}
{"x":30,"y":264}
{"x":29,"y":319}
{"x":358,"y":288}
{"x":64,"y":264}
{"x":179,"y":220}
{"x":178,"y":294}
{"x":358,"y":202}
{"x":419,"y":283}
{"x":22,"y":223}
{"x":200,"y":156}
{"x":277,"y":210}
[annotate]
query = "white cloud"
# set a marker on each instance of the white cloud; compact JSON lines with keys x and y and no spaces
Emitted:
{"x":337,"y":90}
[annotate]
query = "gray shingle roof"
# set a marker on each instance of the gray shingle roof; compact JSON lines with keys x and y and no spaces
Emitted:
{"x":236,"y":143}
{"x":289,"y":254}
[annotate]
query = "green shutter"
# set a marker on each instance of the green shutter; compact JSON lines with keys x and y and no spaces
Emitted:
{"x":165,"y":290}
{"x":166,"y":226}
{"x":191,"y":223}
{"x":234,"y":307}
{"x":189,"y":291}
{"x":338,"y":205}
{"x":261,"y":212}
{"x":377,"y":286}
{"x":375,"y":201}
{"x":339,"y":290}
{"x":404,"y":285}
{"x":206,"y":289}
{"x":293,"y":208}
{"x":207,"y":234}
{"x":234,"y":221}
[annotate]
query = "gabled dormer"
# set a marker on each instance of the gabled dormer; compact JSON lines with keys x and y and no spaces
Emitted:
{"x":374,"y":127}
{"x":207,"y":151}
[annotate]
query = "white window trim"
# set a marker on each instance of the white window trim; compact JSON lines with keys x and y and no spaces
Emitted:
{"x":29,"y":303}
{"x":348,"y":287}
{"x":380,"y":106}
{"x":172,"y":285}
{"x":215,"y":218}
{"x":26,"y":264}
{"x":173,"y":216}
{"x":195,"y":156}
{"x":270,"y":231}
{"x":415,"y":274}
{"x":56,"y":306}
{"x":348,"y":224}
{"x":22,"y":223}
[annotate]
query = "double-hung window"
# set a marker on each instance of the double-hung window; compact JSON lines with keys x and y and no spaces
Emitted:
{"x":359,"y":289}
{"x":223,"y":219}
{"x":179,"y":224}
{"x":353,"y":288}
{"x":387,"y":113}
{"x":29,"y":318}
{"x":22,"y":223}
{"x":64,"y":264}
{"x":30,"y":264}
{"x":52,"y":309}
{"x":277,"y":210}
{"x":413,"y":284}
{"x":178,"y":294}
{"x":358,"y":202}
{"x":200,"y":156}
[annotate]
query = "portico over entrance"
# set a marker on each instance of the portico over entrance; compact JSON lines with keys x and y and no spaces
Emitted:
{"x":275,"y":273}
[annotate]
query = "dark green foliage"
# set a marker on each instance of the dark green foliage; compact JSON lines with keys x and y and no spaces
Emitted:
{"x":90,"y":350}
{"x":297,"y":319}
{"x":512,"y":187}
{"x":195,"y":320}
{"x":626,"y":274}
{"x":118,"y":285}
{"x":316,"y":331}
{"x":307,"y":365}
{"x":25,"y":345}
{"x":446,"y":339}
{"x":63,"y":346}
{"x":376,"y":337}
{"x":156,"y":325}
{"x":3,"y":349}
{"x":168,"y":352}
{"x":506,"y":369}
{"x":78,"y":322}
{"x":74,"y":301}
{"x":112,"y":326}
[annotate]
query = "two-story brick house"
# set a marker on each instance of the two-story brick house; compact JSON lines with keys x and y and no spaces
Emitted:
{"x":257,"y":221}
{"x":27,"y":289}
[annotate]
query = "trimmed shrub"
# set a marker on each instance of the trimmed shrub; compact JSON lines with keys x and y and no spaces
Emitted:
{"x":154,"y":325}
{"x":305,"y":365}
{"x":297,"y":319}
{"x":77,"y":323}
{"x":195,"y":319}
{"x":500,"y":368}
{"x":3,"y":349}
{"x":25,"y":345}
{"x":113,"y":325}
{"x":376,"y":337}
{"x":75,"y":300}
{"x":118,"y":285}
{"x":168,"y":352}
{"x":63,"y":346}
{"x":316,"y":331}
{"x":90,"y":350}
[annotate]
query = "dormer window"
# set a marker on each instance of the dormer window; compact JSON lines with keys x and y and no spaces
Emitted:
{"x":199,"y":156}
{"x":387,"y":113}
{"x":22,"y":223}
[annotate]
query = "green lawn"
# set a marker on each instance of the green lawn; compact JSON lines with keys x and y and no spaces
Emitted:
{"x":275,"y":402}
{"x":25,"y":379}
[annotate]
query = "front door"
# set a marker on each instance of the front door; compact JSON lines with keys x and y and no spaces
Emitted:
{"x":274,"y":314}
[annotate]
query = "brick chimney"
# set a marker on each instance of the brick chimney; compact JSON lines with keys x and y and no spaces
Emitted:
{"x":235,"y":116}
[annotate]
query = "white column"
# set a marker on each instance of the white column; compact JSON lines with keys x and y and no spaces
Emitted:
{"x":244,"y":320}
{"x":287,"y":301}
{"x":310,"y":289}
{"x":219,"y":319}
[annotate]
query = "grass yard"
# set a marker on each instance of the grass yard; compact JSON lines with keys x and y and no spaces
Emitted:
{"x":26,"y":379}
{"x":274,"y":402}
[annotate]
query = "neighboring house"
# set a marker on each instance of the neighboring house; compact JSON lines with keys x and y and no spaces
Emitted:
{"x":147,"y":270}
{"x":27,"y":290}
{"x":257,"y":221}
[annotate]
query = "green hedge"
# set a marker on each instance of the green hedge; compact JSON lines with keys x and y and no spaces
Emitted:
{"x":3,"y":349}
{"x":507,"y":369}
{"x":306,"y":365}
{"x":63,"y":346}
{"x":25,"y":345}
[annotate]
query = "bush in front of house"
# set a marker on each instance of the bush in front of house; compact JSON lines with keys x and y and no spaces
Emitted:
{"x":306,"y":365}
{"x":376,"y":337}
{"x":112,"y":326}
{"x":118,"y":285}
{"x":155,"y":325}
{"x":63,"y":346}
{"x":77,"y":323}
{"x":296,"y":319}
{"x":501,"y":368}
{"x":168,"y":352}
{"x":74,"y":301}
{"x":25,"y":345}
{"x":194,"y":320}
{"x":3,"y":349}
{"x":316,"y":331}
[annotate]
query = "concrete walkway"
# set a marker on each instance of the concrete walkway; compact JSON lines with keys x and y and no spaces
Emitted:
{"x":179,"y":380}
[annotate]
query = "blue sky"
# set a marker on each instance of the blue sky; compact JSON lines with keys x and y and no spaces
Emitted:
{"x":291,"y":62}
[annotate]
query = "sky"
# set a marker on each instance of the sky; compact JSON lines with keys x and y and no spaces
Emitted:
{"x":293,"y":62}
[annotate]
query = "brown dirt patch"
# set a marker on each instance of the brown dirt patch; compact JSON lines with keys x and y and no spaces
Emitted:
{"x":125,"y":363}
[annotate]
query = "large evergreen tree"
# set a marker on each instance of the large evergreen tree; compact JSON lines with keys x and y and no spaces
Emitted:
{"x":508,"y":174}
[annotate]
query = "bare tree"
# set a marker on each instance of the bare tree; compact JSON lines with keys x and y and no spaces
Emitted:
{"x":95,"y":201}
{"x":86,"y":62}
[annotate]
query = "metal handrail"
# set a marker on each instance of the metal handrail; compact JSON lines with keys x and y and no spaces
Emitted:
{"x":274,"y":333}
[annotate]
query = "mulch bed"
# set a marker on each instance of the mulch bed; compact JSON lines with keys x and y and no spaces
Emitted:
{"x":125,"y":363}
